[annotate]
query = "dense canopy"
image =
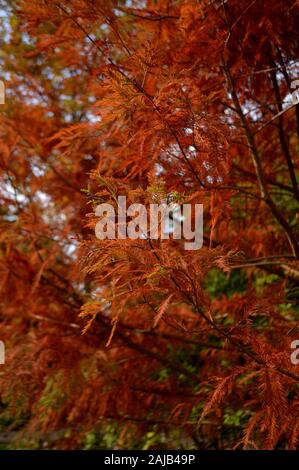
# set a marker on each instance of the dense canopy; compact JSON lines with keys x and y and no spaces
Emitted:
{"x":141,"y":343}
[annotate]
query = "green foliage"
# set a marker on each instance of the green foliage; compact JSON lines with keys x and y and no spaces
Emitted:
{"x":218,"y":283}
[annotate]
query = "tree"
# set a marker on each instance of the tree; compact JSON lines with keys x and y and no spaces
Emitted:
{"x":189,"y":100}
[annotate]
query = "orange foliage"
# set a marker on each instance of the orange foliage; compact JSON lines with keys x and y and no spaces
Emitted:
{"x":151,"y":100}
